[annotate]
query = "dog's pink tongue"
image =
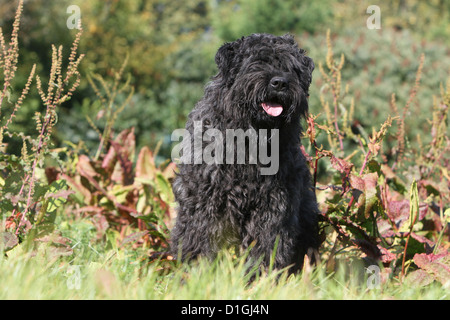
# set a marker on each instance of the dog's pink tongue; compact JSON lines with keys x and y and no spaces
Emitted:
{"x":272,"y":109}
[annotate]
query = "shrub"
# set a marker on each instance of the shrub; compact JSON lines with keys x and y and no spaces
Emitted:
{"x":28,"y":201}
{"x":129,"y":201}
{"x":374,"y":207}
{"x":377,"y":64}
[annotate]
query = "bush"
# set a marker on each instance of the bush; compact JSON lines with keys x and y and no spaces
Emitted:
{"x":374,"y":207}
{"x":378,"y":64}
{"x":269,"y":16}
{"x":29,"y":202}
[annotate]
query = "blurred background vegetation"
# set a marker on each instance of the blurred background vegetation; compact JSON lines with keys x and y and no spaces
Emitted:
{"x":170,"y":45}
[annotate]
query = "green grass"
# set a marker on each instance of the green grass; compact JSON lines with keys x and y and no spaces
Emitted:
{"x":99,"y":271}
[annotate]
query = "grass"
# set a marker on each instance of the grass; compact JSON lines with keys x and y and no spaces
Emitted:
{"x":98,"y":271}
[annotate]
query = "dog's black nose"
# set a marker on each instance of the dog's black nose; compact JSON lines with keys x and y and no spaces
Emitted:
{"x":279,"y":83}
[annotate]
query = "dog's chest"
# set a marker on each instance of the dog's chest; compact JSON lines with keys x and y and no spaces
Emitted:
{"x":245,"y":192}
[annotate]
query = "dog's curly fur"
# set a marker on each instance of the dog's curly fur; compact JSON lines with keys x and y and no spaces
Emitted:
{"x":233,"y":204}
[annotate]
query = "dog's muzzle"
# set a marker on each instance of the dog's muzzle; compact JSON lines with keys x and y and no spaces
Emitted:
{"x":279,"y":84}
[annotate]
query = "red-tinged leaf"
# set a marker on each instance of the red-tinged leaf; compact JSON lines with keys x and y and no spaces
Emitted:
{"x":10,"y":223}
{"x":365,"y":192}
{"x":85,"y":168}
{"x":145,"y":165}
{"x":386,"y":255}
{"x":311,"y":130}
{"x":109,"y":161}
{"x":123,"y":169}
{"x":423,"y":258}
{"x":437,"y":266}
{"x":126,"y":139}
{"x":428,"y":244}
{"x":370,"y":181}
{"x":60,"y":194}
{"x":75,"y":184}
{"x":370,"y":188}
{"x":341,"y":165}
{"x":58,"y":245}
{"x":387,"y":172}
{"x":399,"y":211}
{"x":357,"y":182}
{"x":419,"y":278}
{"x":8,"y":240}
{"x":122,"y":150}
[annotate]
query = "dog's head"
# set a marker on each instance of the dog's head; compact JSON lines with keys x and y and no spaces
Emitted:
{"x":267,"y":77}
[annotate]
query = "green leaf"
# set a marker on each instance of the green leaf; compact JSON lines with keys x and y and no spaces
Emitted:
{"x":164,"y":188}
{"x":446,"y":218}
{"x":413,"y":204}
{"x":57,"y":194}
{"x":55,"y":197}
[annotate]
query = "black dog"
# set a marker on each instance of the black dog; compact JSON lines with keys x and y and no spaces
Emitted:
{"x":261,"y":90}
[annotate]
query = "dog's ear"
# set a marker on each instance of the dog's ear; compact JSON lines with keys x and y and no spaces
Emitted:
{"x":224,"y":55}
{"x":308,"y":64}
{"x":307,"y":70}
{"x":227,"y":60}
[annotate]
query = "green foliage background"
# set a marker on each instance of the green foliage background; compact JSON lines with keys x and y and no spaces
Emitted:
{"x":171,"y":46}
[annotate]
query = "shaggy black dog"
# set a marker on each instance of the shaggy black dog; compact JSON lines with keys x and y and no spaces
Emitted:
{"x":261,"y":87}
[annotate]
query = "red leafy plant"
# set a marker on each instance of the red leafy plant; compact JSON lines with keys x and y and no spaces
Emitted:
{"x":28,"y":201}
{"x":388,"y":206}
{"x":128,"y":199}
{"x":124,"y":196}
